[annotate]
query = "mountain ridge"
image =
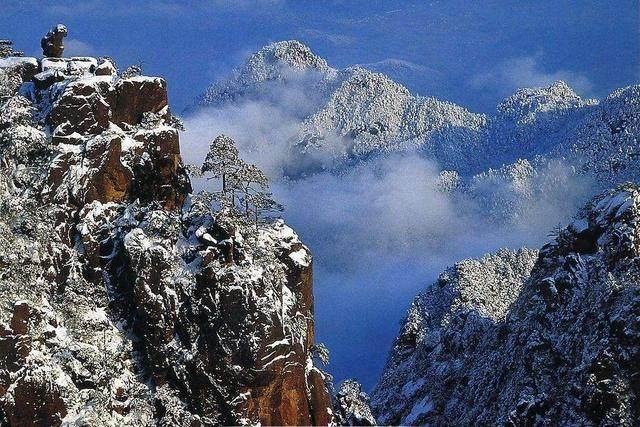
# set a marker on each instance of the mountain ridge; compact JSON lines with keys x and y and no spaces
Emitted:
{"x":361,"y":113}
{"x":127,"y":299}
{"x":527,"y":338}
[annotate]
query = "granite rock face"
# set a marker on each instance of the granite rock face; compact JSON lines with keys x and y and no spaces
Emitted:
{"x":523,"y":340}
{"x":114,"y":310}
{"x":114,"y":139}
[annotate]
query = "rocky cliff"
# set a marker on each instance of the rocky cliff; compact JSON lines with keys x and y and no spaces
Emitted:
{"x":126,"y":300}
{"x":523,"y":339}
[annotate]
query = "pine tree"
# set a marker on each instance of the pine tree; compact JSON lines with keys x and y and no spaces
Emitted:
{"x":131,"y":71}
{"x":320,"y":351}
{"x":249,"y":180}
{"x":222,"y":159}
{"x":239,"y":178}
{"x":263,"y":202}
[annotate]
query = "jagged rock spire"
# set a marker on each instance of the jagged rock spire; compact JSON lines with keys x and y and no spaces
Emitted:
{"x":52,"y":43}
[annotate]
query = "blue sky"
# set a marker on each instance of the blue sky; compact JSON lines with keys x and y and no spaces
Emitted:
{"x":473,"y":53}
{"x":470,"y":52}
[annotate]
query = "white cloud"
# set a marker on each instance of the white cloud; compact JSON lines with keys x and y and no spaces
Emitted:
{"x":526,"y":71}
{"x":381,"y":212}
{"x":75,"y":47}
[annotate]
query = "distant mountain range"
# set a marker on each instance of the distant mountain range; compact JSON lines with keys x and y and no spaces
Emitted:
{"x":354,"y":114}
{"x":517,"y":337}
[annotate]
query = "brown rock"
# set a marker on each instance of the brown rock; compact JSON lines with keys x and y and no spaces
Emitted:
{"x":319,"y":399}
{"x":282,"y":393}
{"x":97,"y":174}
{"x":106,"y":68}
{"x":109,"y":180}
{"x":137,"y":95}
{"x":82,"y":107}
{"x":58,"y":171}
{"x":15,"y":343}
{"x":235,"y":375}
{"x":20,"y":318}
{"x":35,"y":402}
{"x":160,"y":175}
{"x":282,"y":399}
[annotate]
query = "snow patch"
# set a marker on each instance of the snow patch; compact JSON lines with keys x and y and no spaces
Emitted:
{"x":419,"y":409}
{"x":301,"y":257}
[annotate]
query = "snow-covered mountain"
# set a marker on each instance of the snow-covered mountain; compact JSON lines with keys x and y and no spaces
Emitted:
{"x":128,"y":300}
{"x":511,"y":337}
{"x":528,"y":337}
{"x":544,"y":152}
{"x":276,"y":63}
{"x":350,"y":113}
{"x":354,"y":113}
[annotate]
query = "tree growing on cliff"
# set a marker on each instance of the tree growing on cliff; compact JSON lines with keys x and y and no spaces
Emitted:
{"x":263,"y":202}
{"x":248,"y":180}
{"x":131,"y":71}
{"x":320,"y":351}
{"x":222,"y":159}
{"x":245,"y":188}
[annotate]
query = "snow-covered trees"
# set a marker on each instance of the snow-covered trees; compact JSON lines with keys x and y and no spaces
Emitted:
{"x":222,"y":159}
{"x":131,"y":71}
{"x":352,"y":405}
{"x":6,"y":49}
{"x":9,"y":82}
{"x":320,"y":351}
{"x":245,"y":188}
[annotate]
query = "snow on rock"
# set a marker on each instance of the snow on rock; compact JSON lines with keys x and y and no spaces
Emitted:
{"x":352,"y":405}
{"x":14,"y":61}
{"x":101,"y":130}
{"x":118,"y":307}
{"x":301,"y":257}
{"x":520,"y":339}
{"x":420,"y":409}
{"x":274,"y":62}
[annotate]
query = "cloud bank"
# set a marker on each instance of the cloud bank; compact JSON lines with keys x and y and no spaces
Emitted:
{"x":384,"y":229}
{"x":527,"y":71}
{"x":75,"y":47}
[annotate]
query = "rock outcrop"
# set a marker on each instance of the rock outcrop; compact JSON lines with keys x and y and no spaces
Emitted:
{"x":506,"y":341}
{"x":114,"y":140}
{"x":126,"y":300}
{"x":52,"y":42}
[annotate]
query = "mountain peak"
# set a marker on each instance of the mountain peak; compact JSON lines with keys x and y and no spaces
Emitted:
{"x":277,"y":61}
{"x":526,"y":103}
{"x":289,"y":52}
